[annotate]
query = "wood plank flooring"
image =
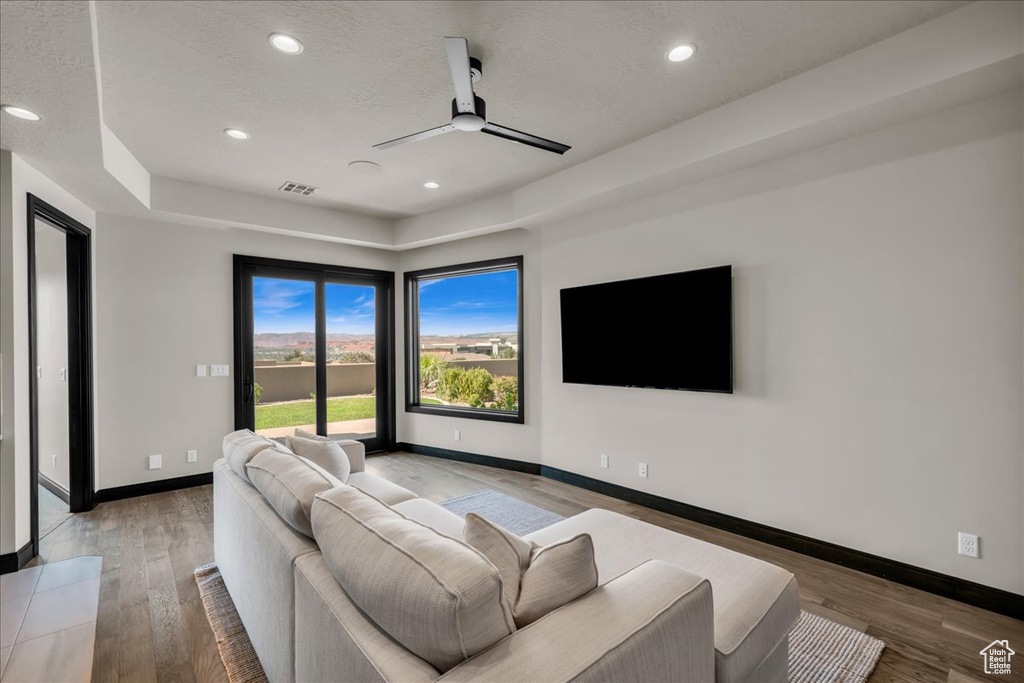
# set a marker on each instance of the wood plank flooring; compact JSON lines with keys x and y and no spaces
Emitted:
{"x":152,"y":627}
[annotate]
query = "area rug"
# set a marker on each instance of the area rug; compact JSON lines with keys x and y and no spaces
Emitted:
{"x":516,"y":515}
{"x":239,"y":657}
{"x":822,"y":651}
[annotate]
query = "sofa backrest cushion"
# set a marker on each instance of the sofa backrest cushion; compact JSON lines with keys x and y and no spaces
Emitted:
{"x":323,"y":452}
{"x":242,"y":446}
{"x":536,"y":579}
{"x":290,"y":482}
{"x":435,"y":595}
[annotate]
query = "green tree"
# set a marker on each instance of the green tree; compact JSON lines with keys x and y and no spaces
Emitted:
{"x":472,"y":387}
{"x":431,"y":368}
{"x":507,"y":352}
{"x":506,"y":393}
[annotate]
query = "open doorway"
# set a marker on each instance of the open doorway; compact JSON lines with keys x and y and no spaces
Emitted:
{"x":60,"y":379}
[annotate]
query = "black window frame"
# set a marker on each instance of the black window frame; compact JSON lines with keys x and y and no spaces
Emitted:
{"x":246,"y":267}
{"x":412,"y":336}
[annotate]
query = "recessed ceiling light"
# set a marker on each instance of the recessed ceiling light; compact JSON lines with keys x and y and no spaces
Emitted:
{"x":681,"y":53}
{"x":431,"y":185}
{"x":285,"y":43}
{"x":21,"y":113}
{"x":365,"y":167}
{"x":236,"y":134}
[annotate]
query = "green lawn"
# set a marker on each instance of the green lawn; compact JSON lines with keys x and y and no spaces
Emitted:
{"x":304,"y":412}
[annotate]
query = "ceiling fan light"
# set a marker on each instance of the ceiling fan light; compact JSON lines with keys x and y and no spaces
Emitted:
{"x":468,"y":122}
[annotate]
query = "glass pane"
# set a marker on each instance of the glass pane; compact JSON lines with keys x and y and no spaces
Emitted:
{"x":469,"y":341}
{"x":351,"y":361}
{"x":284,"y":355}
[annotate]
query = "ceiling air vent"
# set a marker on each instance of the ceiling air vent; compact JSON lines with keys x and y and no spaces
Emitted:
{"x":298,"y":188}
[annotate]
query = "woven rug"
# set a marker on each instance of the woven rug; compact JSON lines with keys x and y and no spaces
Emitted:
{"x":237,"y":653}
{"x":516,"y":515}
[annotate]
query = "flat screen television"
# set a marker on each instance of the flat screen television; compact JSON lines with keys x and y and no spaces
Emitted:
{"x":662,"y":332}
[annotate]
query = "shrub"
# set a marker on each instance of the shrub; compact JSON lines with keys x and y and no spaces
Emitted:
{"x":507,"y":352}
{"x":459,"y":385}
{"x":347,"y":357}
{"x":506,"y":393}
{"x":257,"y":392}
{"x":299,"y":355}
{"x":431,"y":368}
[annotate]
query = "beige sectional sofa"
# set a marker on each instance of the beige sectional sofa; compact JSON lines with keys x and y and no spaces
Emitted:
{"x":667,"y":607}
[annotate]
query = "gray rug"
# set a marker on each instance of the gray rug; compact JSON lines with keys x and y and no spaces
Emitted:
{"x":517,"y":516}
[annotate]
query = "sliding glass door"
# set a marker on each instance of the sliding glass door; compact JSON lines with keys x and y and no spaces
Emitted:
{"x":314,"y":348}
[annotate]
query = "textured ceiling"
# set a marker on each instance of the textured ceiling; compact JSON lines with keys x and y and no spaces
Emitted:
{"x":590,"y":74}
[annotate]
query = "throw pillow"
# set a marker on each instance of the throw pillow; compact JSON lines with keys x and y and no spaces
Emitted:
{"x":327,"y":454}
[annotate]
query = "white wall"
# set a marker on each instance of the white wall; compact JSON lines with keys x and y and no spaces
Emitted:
{"x":52,"y":353}
{"x":166,"y":294}
{"x":19,"y":179}
{"x":516,"y":441}
{"x":879,"y":330}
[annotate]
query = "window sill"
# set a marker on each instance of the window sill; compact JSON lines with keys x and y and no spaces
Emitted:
{"x":467,"y":413}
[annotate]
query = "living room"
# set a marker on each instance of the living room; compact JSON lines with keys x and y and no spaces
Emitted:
{"x":843,"y":408}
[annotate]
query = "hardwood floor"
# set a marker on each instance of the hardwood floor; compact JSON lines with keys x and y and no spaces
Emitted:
{"x":152,"y":627}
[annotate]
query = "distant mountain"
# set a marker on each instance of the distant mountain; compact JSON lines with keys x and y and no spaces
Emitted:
{"x":281,"y":340}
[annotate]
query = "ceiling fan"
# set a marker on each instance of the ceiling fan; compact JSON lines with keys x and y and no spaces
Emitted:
{"x":469,"y":112}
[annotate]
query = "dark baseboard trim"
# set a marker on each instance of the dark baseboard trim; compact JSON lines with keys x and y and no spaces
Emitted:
{"x":54,"y":488}
{"x":962,"y":590}
{"x":12,"y":562}
{"x":473,"y":458}
{"x":148,"y":487}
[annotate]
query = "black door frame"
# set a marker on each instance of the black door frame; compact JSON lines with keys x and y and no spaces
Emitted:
{"x":245,"y":267}
{"x":80,"y":389}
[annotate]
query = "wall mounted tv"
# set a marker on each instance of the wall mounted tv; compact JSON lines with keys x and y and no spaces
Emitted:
{"x":662,"y":332}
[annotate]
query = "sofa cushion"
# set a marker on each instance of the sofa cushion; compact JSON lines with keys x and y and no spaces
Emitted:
{"x":240,"y":447}
{"x":433,"y":515}
{"x":535,"y":580}
{"x":324,"y":453}
{"x":756,"y":603}
{"x":379,"y":488}
{"x":433,"y":594}
{"x":289,"y":483}
{"x":312,"y":436}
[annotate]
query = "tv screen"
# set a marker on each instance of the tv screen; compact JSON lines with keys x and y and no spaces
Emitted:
{"x":663,"y":332}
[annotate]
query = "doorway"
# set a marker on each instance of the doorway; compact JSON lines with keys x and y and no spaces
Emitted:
{"x":314,"y":349}
{"x":60,"y":367}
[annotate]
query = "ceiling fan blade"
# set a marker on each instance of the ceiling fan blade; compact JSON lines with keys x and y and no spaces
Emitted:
{"x":462,"y":79}
{"x":525,"y":138}
{"x":422,"y":135}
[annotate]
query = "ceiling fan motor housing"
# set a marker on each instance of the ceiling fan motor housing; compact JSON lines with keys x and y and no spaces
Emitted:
{"x":467,"y":120}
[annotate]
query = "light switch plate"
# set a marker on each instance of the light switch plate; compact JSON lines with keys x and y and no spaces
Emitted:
{"x":63,"y":374}
{"x":219,"y":370}
{"x":192,"y":456}
{"x":200,"y":371}
{"x":155,"y":462}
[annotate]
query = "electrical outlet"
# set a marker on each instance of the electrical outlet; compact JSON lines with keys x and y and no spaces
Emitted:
{"x":643,"y":470}
{"x":54,"y":464}
{"x":458,"y":435}
{"x":192,"y":456}
{"x":968,"y":544}
{"x":604,"y":461}
{"x":155,"y":462}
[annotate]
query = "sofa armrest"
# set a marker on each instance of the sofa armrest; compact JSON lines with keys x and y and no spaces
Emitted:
{"x":356,"y":452}
{"x":653,"y":623}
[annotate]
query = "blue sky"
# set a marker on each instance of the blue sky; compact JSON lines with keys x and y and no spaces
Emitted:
{"x":469,"y":304}
{"x":288,"y":306}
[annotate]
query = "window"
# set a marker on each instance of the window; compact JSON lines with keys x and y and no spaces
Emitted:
{"x":464,"y":340}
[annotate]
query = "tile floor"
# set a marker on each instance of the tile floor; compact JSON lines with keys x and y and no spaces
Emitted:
{"x":48,"y":621}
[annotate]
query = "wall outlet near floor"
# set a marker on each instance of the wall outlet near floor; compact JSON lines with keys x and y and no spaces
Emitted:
{"x":458,"y":435}
{"x":155,"y":462}
{"x":192,"y":456}
{"x":219,"y":370}
{"x":643,"y":470}
{"x":967,"y":544}
{"x":604,"y":461}
{"x":54,"y":464}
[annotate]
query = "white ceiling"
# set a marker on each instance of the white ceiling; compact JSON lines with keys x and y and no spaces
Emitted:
{"x":590,"y":74}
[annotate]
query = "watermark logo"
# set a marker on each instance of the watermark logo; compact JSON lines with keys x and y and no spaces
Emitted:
{"x":997,"y":657}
